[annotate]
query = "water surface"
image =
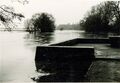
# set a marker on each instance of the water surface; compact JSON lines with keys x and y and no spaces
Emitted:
{"x":17,"y":52}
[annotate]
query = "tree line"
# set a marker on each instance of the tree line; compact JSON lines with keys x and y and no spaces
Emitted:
{"x":103,"y":18}
{"x":75,"y":26}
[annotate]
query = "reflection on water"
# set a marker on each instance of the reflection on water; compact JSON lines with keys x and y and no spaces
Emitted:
{"x":41,"y":38}
{"x":53,"y":37}
{"x":17,"y":52}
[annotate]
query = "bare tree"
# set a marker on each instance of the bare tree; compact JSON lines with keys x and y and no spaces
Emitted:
{"x":8,"y":14}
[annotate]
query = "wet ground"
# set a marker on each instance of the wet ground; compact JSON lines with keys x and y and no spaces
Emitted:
{"x":107,"y":67}
{"x":104,"y":71}
{"x":104,"y":50}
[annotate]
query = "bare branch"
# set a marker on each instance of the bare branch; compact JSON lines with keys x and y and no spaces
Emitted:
{"x":7,"y":15}
{"x":15,"y":14}
{"x":21,"y":1}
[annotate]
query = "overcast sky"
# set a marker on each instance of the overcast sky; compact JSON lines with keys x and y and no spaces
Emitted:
{"x":64,"y":11}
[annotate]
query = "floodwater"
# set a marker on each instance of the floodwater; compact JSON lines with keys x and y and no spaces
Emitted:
{"x":17,"y":52}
